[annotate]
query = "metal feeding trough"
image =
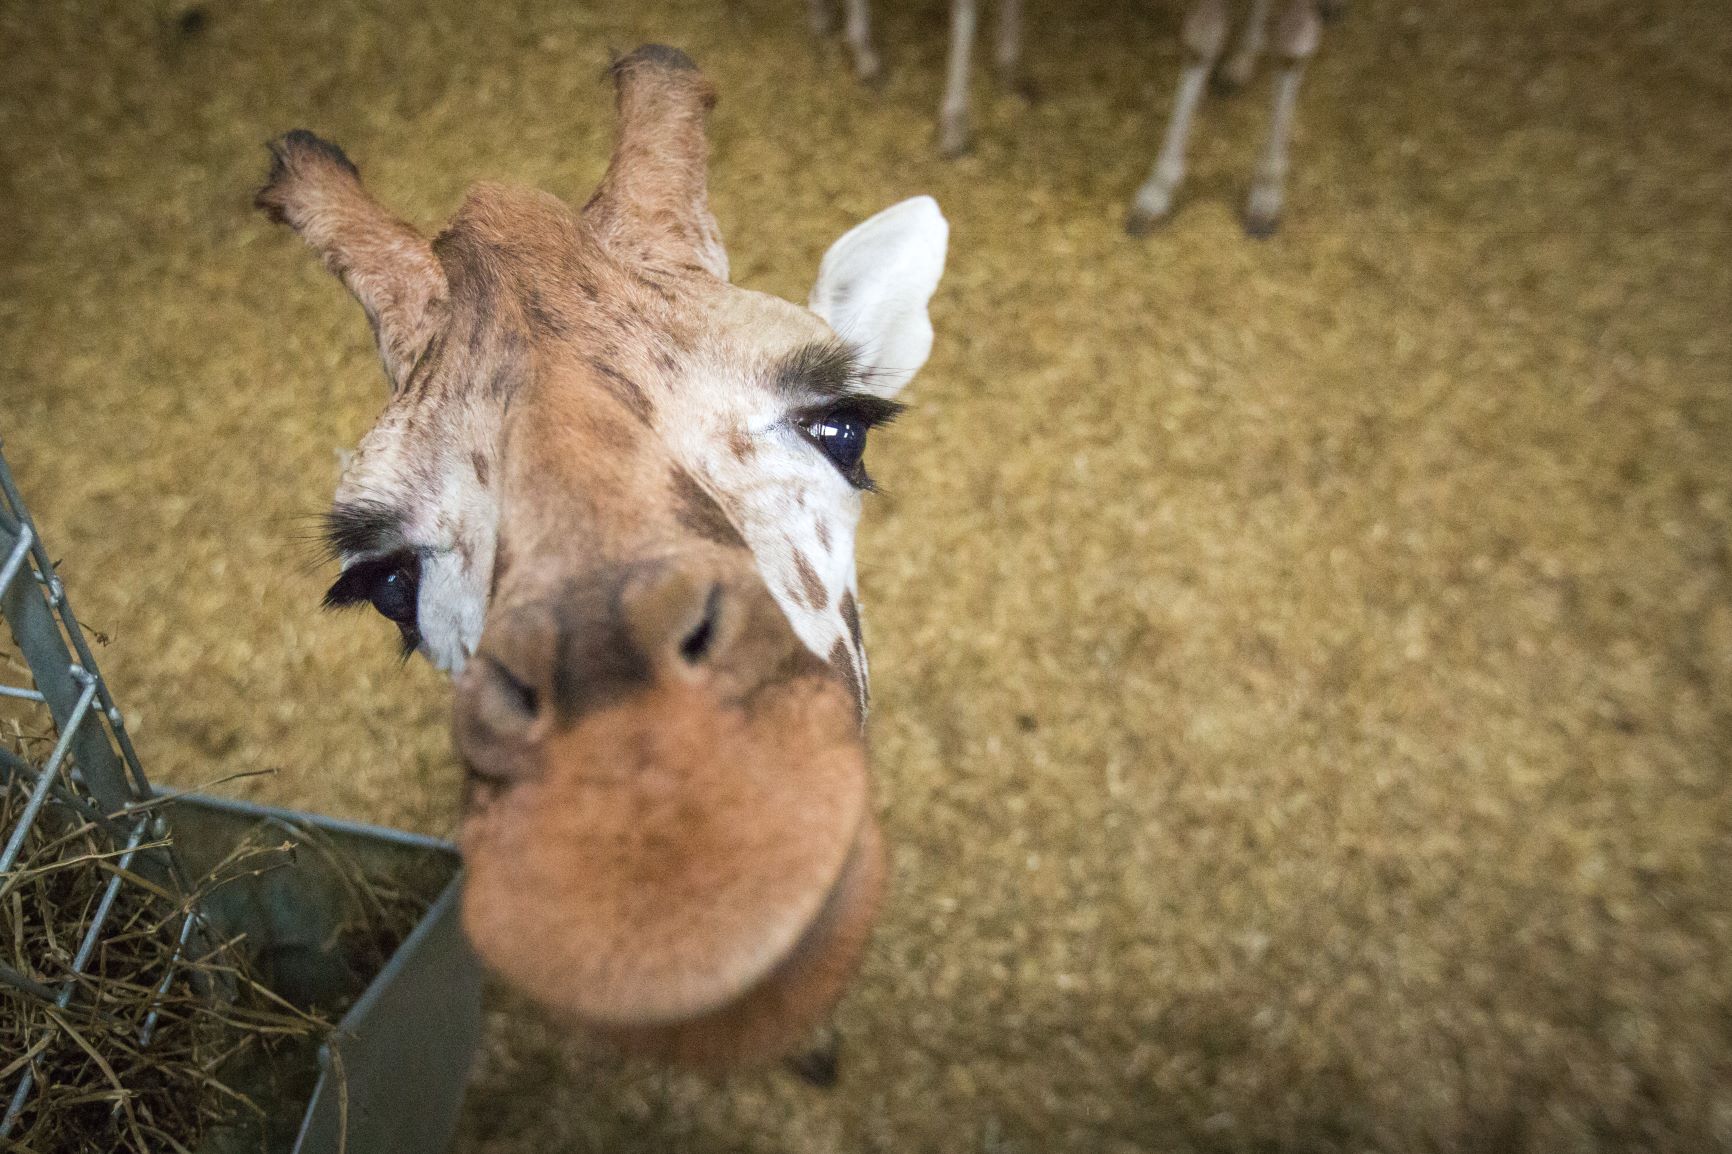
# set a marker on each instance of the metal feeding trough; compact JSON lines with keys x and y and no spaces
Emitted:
{"x":389,"y":1075}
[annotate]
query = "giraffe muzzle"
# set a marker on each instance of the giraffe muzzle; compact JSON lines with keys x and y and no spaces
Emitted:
{"x":668,"y":834}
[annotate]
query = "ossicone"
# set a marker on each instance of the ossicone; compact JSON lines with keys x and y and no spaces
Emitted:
{"x":653,"y":204}
{"x":315,"y":189}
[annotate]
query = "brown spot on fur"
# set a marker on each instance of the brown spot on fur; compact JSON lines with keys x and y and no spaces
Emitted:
{"x":604,"y":425}
{"x":740,"y":444}
{"x":699,"y":512}
{"x":480,"y":464}
{"x":842,"y":661}
{"x":426,"y":365}
{"x":656,"y":286}
{"x":470,"y":266}
{"x":851,"y":615}
{"x":544,"y":318}
{"x":624,"y":390}
{"x":816,"y":595}
{"x":822,"y":528}
{"x":508,"y":366}
{"x":501,"y":563}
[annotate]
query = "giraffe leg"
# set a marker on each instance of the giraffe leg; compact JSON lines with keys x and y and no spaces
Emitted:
{"x":823,"y":19}
{"x":1205,"y":29}
{"x":953,"y":114}
{"x":1241,"y":66}
{"x":867,"y":66}
{"x":1295,"y":41}
{"x":1008,"y":56}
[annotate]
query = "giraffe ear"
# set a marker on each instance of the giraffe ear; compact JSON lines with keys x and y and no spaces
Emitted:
{"x":874,"y":284}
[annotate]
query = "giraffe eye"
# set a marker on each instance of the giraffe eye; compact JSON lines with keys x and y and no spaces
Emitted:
{"x":390,"y":585}
{"x":840,"y":431}
{"x":842,"y":436}
{"x":393,"y":593}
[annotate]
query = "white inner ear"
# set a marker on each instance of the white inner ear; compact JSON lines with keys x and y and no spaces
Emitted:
{"x":873,"y":286}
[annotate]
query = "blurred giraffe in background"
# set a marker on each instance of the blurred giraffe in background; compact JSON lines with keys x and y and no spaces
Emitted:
{"x":964,"y":18}
{"x":1204,"y":35}
{"x":1296,"y":37}
{"x":857,"y":32}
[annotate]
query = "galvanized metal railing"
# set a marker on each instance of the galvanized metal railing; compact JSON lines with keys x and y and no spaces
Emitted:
{"x":92,"y":768}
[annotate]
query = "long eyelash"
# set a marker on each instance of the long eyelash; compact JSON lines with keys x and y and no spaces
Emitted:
{"x":829,"y":368}
{"x":872,"y":411}
{"x":360,"y":527}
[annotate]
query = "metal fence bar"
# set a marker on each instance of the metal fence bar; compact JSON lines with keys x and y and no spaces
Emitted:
{"x":188,"y":922}
{"x":49,"y":772}
{"x":12,"y":763}
{"x":30,"y":611}
{"x":86,"y":947}
{"x":112,"y":778}
{"x":16,"y":1106}
{"x":68,"y":684}
{"x":29,"y":985}
{"x":15,"y":559}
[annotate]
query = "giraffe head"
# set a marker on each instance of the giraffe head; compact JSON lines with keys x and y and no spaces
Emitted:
{"x":616,"y":497}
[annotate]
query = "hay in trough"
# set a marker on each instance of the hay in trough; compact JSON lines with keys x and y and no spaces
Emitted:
{"x":137,"y":1058}
{"x":169,"y":1031}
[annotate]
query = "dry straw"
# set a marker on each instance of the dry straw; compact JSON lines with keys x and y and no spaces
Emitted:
{"x":165,"y":1035}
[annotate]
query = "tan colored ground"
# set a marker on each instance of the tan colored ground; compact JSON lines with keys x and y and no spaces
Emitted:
{"x":1303,"y":669}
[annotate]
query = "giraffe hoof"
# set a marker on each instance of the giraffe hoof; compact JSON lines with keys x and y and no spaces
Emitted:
{"x":1023,"y":89}
{"x":1150,"y":209}
{"x":953,"y":140}
{"x":820,"y":1067}
{"x":869,"y":71}
{"x":1263,"y":209}
{"x":1140,"y":222}
{"x":1259,"y":227}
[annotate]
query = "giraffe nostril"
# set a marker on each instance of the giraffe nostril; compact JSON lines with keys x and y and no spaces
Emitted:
{"x":678,"y":619}
{"x":498,"y":719}
{"x":700,"y":639}
{"x":513,"y":691}
{"x":499,"y":705}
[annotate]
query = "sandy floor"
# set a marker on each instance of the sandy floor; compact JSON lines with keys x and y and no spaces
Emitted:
{"x":1303,"y":669}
